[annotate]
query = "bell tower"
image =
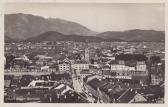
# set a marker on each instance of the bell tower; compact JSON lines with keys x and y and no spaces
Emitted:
{"x":87,"y":52}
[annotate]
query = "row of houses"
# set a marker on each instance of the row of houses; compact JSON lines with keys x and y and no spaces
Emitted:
{"x":126,"y":70}
{"x":122,"y":91}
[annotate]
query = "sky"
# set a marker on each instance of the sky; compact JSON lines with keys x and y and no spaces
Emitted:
{"x":99,"y":17}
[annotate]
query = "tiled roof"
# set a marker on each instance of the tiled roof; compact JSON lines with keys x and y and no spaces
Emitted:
{"x":130,"y":63}
{"x":127,"y":96}
{"x":80,"y":62}
{"x":114,"y":62}
{"x":117,"y":88}
{"x":85,"y":72}
{"x":140,"y":62}
{"x":95,"y":83}
{"x":63,"y":62}
{"x":113,"y":91}
{"x":106,"y":72}
{"x":86,"y":78}
{"x":142,"y":78}
{"x":105,"y":66}
{"x":105,"y":60}
{"x":155,"y":90}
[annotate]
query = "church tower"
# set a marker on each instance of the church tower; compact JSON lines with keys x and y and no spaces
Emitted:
{"x":87,"y":54}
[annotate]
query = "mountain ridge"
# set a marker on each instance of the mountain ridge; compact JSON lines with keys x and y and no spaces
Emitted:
{"x":23,"y":26}
{"x":27,"y":26}
{"x":134,"y":35}
{"x":56,"y":36}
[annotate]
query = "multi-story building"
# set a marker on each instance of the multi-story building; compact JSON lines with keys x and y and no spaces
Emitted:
{"x":120,"y":66}
{"x":156,"y":79}
{"x":128,"y":69}
{"x":65,"y":65}
{"x":141,"y":66}
{"x":157,"y":74}
{"x":80,"y":65}
{"x":84,"y":73}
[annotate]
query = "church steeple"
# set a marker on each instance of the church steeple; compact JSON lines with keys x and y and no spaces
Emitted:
{"x":87,"y":52}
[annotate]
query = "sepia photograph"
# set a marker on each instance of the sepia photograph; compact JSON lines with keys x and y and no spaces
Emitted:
{"x":84,"y":53}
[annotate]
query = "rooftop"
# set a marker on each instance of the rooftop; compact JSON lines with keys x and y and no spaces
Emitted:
{"x":96,"y":83}
{"x":127,"y":96}
{"x":85,"y":72}
{"x":80,"y":62}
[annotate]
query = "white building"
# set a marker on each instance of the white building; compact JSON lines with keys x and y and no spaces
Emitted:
{"x":64,"y":67}
{"x":126,"y":71}
{"x":80,"y":65}
{"x":120,"y":66}
{"x":141,"y":66}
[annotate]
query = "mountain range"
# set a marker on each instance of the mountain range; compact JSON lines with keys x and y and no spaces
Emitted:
{"x":134,"y":35}
{"x":56,"y":36}
{"x":27,"y":27}
{"x":24,"y":26}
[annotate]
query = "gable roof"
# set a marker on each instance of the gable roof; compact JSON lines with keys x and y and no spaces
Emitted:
{"x":127,"y":96}
{"x":96,"y":83}
{"x":80,"y":62}
{"x":107,"y":73}
{"x":114,"y":62}
{"x":63,"y":62}
{"x":85,"y":72}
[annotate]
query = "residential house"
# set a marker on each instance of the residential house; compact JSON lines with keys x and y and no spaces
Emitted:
{"x":131,"y":96}
{"x":156,"y":74}
{"x":108,"y":92}
{"x":84,"y":73}
{"x":141,"y":66}
{"x":64,"y":66}
{"x":80,"y":65}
